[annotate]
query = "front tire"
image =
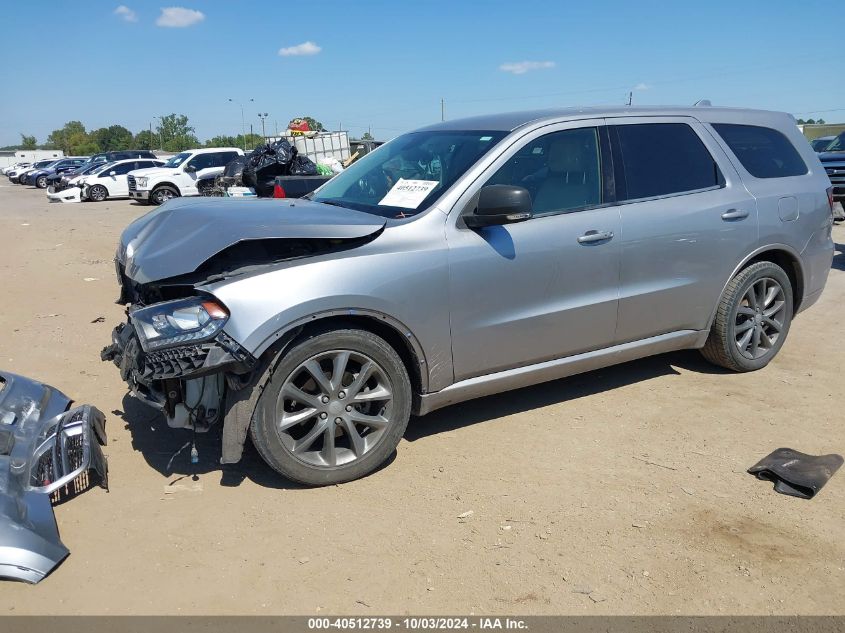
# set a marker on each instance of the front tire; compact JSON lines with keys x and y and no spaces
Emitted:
{"x":98,"y":193}
{"x":41,"y":182}
{"x":752,"y":319}
{"x":162,"y":194}
{"x":334,"y":409}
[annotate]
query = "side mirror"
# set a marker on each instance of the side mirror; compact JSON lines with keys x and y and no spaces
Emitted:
{"x":189,"y":169}
{"x":500,"y":204}
{"x":112,"y":173}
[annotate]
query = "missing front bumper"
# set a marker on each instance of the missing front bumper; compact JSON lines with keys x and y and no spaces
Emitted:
{"x":46,"y":450}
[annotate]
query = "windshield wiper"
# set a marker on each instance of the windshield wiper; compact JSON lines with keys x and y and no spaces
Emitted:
{"x":331,"y":202}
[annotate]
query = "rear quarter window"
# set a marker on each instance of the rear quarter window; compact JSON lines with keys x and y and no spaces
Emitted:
{"x":763,"y":151}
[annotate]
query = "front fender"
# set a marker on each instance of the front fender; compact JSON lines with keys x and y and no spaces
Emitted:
{"x":401,"y":277}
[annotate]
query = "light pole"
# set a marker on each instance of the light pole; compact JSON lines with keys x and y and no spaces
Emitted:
{"x":161,"y":132}
{"x":262,"y":117}
{"x":243,"y":124}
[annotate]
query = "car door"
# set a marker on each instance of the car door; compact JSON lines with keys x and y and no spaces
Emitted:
{"x":687,"y":222}
{"x":118,"y":183}
{"x":547,"y":287}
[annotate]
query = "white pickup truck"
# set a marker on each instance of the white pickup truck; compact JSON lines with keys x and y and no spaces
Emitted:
{"x":178,"y":176}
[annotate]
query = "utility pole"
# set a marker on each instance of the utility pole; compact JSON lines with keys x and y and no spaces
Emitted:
{"x":262,"y":117}
{"x":250,"y":134}
{"x":243,"y":125}
{"x":443,"y":109}
{"x":630,"y":97}
{"x":151,"y":136}
{"x":161,"y":133}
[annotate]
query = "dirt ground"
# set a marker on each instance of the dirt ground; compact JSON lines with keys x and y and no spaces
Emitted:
{"x":618,"y":491}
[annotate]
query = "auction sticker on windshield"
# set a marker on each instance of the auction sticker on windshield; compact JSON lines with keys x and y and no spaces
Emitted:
{"x":408,"y":194}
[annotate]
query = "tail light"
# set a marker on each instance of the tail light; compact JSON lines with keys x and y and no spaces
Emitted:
{"x":830,"y":198}
{"x":278,"y":192}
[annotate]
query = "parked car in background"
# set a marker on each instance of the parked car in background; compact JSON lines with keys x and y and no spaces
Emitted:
{"x":57,"y":182}
{"x":124,"y":154}
{"x":833,"y":160}
{"x":14,"y":166}
{"x":14,"y":174}
{"x":38,"y":177}
{"x":178,"y":176}
{"x":110,"y":181}
{"x":821,"y":143}
{"x":467,"y":258}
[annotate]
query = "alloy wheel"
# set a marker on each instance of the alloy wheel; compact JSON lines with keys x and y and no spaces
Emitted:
{"x":163,"y":195}
{"x":760,"y":318}
{"x":334,"y":408}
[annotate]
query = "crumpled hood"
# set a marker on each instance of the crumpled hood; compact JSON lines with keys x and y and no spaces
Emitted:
{"x":182,"y":234}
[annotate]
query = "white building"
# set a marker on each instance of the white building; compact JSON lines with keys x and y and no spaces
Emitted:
{"x":10,"y":157}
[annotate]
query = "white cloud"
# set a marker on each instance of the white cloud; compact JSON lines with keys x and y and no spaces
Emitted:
{"x":520,"y":68}
{"x":179,"y":17}
{"x":126,"y":14}
{"x":642,"y":86}
{"x":306,"y":48}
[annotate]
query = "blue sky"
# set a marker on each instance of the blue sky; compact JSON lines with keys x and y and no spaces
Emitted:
{"x":387,"y":64}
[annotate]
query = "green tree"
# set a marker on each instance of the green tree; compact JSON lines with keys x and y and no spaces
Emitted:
{"x":114,"y":137}
{"x":820,"y":122}
{"x":176,"y":133}
{"x":367,"y":137}
{"x":222,"y":140}
{"x":145,"y":140}
{"x":314,"y":124}
{"x":28,"y":142}
{"x":60,"y":139}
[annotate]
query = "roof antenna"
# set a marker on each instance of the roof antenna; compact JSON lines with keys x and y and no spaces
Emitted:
{"x":702,"y":102}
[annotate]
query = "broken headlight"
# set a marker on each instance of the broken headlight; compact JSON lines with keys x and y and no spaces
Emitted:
{"x":178,"y":322}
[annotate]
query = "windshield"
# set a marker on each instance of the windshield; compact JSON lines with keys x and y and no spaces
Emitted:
{"x":87,"y":169}
{"x":177,"y":160}
{"x":837,"y":144}
{"x":99,"y":169}
{"x":44,"y":163}
{"x":405,"y":176}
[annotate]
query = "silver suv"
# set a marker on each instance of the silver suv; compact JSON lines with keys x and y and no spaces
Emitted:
{"x":468,"y":258}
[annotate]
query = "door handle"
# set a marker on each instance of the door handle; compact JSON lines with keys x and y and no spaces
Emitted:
{"x":735,"y":214}
{"x":595,"y":236}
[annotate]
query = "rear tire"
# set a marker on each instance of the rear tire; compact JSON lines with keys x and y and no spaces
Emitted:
{"x":752,"y":319}
{"x":334,"y":409}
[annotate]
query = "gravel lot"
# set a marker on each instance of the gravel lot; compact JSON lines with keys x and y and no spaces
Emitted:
{"x":618,"y":491}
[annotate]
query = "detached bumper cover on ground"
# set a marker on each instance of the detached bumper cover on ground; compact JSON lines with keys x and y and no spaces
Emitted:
{"x":46,"y":447}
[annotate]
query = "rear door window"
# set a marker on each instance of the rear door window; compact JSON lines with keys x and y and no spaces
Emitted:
{"x":763,"y":151}
{"x":662,"y":159}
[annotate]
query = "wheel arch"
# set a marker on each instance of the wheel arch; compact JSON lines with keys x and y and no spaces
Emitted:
{"x":241,"y":403}
{"x":166,"y":183}
{"x":784,"y":256}
{"x":99,"y":184}
{"x":397,"y":335}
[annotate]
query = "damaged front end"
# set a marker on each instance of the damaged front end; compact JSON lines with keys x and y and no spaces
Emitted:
{"x":174,"y":356}
{"x":47,"y":449}
{"x":173,"y":351}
